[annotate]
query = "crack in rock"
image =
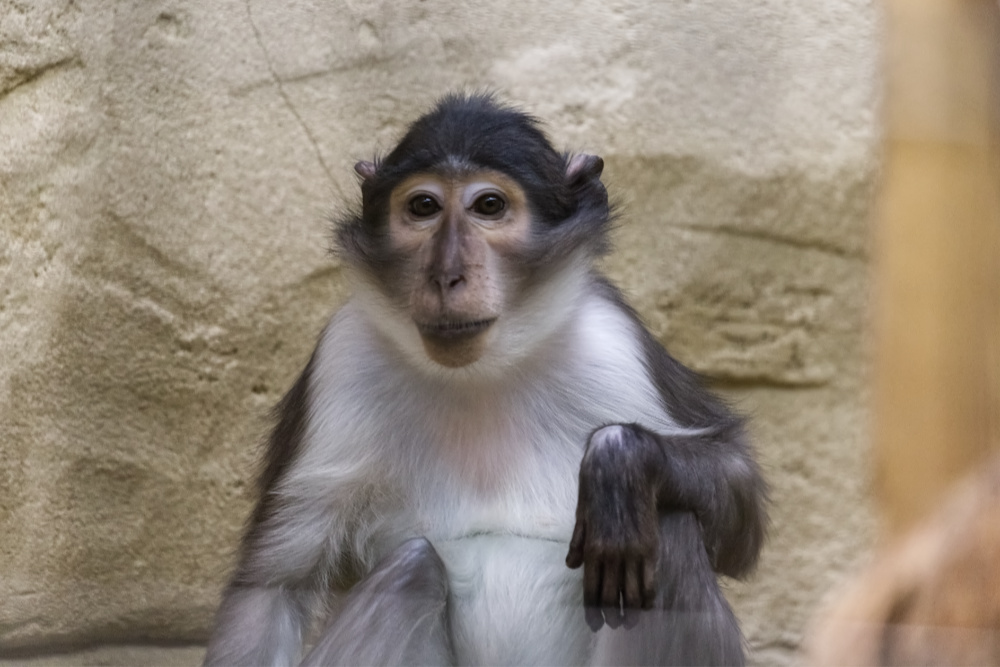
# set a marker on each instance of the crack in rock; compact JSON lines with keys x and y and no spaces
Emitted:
{"x":284,"y":95}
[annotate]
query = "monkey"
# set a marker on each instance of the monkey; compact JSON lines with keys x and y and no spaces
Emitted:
{"x":488,"y":458}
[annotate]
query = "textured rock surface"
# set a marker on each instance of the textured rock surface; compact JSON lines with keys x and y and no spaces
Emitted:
{"x":165,"y":172}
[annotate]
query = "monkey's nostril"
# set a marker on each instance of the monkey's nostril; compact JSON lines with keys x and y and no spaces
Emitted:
{"x":448,"y":282}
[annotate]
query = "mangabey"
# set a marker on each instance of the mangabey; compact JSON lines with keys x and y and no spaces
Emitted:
{"x":484,"y":402}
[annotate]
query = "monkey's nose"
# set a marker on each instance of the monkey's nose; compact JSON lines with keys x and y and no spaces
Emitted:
{"x":448,"y":282}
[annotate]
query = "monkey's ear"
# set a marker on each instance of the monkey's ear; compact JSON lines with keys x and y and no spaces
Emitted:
{"x":583,"y":168}
{"x":365,"y":169}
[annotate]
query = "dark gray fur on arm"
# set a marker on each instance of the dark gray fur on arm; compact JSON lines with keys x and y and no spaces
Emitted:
{"x":714,"y":473}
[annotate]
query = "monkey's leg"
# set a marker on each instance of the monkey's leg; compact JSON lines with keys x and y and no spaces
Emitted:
{"x":690,"y":622}
{"x":395,"y":616}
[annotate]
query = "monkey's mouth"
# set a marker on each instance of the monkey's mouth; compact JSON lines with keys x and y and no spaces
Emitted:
{"x":454,"y":329}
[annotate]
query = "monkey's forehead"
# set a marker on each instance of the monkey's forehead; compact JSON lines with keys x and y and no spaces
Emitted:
{"x":444,"y":181}
{"x":448,"y":166}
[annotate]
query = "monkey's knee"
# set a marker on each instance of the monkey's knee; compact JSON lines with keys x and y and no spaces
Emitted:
{"x":413,"y":569}
{"x":394,"y":616}
{"x":416,"y":552}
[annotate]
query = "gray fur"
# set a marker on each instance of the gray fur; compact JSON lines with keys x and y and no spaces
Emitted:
{"x":402,"y":603}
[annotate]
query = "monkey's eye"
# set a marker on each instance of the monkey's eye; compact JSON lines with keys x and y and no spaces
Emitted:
{"x":489,"y":205}
{"x":423,"y":206}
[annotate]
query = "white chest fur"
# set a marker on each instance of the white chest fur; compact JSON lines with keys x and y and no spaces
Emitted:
{"x":486,"y":468}
{"x":465,"y":455}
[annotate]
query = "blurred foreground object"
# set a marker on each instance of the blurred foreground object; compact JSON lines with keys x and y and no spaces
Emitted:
{"x":937,"y":263}
{"x":932,"y":596}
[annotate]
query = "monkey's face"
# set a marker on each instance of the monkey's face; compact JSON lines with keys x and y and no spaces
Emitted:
{"x":455,"y":239}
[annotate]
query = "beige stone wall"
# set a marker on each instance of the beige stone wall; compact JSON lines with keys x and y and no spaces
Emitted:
{"x":166,"y":169}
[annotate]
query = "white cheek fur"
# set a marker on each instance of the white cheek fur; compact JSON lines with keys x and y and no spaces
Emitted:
{"x":520,"y":330}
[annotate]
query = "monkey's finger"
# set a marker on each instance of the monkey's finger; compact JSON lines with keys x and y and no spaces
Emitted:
{"x":613,"y":617}
{"x":593,"y":575}
{"x":611,"y":586}
{"x":611,"y":593}
{"x":631,"y":595}
{"x":595,"y":619}
{"x":648,"y":582}
{"x":592,"y":581}
{"x":574,"y":558}
{"x":630,"y":617}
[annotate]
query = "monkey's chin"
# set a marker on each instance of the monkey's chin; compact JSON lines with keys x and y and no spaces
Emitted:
{"x":455,"y":347}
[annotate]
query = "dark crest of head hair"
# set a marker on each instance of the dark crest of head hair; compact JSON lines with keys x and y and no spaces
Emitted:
{"x":464,"y":133}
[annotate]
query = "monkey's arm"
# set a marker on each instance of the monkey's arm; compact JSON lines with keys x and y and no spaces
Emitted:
{"x":630,"y":476}
{"x":708,"y":468}
{"x":265,"y":607}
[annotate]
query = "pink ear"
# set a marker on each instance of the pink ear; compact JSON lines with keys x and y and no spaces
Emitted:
{"x":584,"y":166}
{"x":365,"y":169}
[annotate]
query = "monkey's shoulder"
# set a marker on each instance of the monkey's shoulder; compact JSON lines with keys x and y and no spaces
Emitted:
{"x":681,"y":390}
